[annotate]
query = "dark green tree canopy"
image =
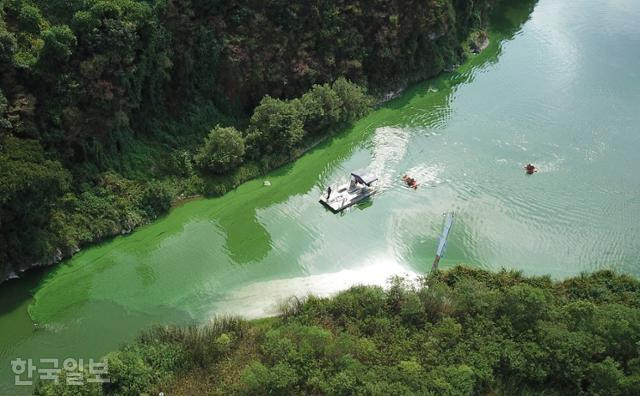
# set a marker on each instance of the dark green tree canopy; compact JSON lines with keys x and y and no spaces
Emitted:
{"x":277,"y":125}
{"x":355,"y":102}
{"x":223,"y":150}
{"x":29,"y":185}
{"x":5,"y":124}
{"x":322,"y":108}
{"x":59,"y":44}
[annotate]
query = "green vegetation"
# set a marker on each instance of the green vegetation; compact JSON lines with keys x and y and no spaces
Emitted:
{"x":115,"y":97}
{"x":222,"y":152}
{"x":460,"y":332}
{"x":29,"y":184}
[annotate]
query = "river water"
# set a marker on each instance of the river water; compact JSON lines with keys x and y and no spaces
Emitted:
{"x":559,"y":86}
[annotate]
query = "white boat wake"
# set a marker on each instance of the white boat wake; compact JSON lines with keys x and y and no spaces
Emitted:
{"x":389,"y":147}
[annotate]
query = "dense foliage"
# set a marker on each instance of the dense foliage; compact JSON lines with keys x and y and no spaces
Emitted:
{"x":461,"y":332}
{"x":29,"y":185}
{"x":223,"y":150}
{"x":114,"y":94}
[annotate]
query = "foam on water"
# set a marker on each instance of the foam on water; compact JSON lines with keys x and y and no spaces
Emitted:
{"x":261,"y":299}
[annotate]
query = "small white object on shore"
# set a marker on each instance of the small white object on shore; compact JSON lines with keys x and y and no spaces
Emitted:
{"x":267,"y":183}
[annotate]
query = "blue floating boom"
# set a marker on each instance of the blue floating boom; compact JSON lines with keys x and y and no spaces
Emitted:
{"x":444,"y":237}
{"x":442,"y":246}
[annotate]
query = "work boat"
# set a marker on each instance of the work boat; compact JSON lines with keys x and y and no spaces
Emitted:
{"x":359,"y":188}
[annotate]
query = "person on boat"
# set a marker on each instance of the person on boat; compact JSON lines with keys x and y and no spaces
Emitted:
{"x":328,"y":192}
{"x":530,"y":169}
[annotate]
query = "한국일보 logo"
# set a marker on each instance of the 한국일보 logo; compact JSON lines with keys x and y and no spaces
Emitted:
{"x":75,"y":371}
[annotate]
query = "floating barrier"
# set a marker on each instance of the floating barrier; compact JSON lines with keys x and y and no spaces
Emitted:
{"x":442,"y":245}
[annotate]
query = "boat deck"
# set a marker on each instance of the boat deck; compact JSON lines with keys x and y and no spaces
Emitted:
{"x":345,"y":197}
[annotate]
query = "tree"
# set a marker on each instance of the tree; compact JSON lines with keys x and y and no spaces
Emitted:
{"x":354,"y":99}
{"x":29,"y":17}
{"x":99,"y":82}
{"x":59,"y":42}
{"x":276,"y":126}
{"x":222,"y":152}
{"x":8,"y":46}
{"x":525,"y":304}
{"x":157,"y":198}
{"x":605,"y":377}
{"x":4,"y":122}
{"x":357,"y":343}
{"x":451,"y":380}
{"x":29,"y":185}
{"x":321,"y":108}
{"x":128,"y":373}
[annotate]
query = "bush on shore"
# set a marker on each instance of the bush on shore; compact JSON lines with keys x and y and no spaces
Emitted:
{"x":223,"y":150}
{"x":459,"y":332}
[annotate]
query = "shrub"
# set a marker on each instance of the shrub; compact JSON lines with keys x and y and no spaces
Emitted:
{"x":244,"y":172}
{"x":354,"y":100}
{"x":5,"y":124}
{"x":256,"y":378}
{"x":128,"y":373}
{"x":215,"y":188}
{"x":451,"y":380}
{"x":321,"y":109}
{"x":222,"y":152}
{"x":276,"y":126}
{"x":180,"y":164}
{"x":62,"y":387}
{"x":157,"y":198}
{"x":524,"y":305}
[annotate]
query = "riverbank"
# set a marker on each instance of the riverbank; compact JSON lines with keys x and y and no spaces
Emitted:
{"x":168,"y":193}
{"x":279,"y":132}
{"x":99,"y":139}
{"x":462,"y":331}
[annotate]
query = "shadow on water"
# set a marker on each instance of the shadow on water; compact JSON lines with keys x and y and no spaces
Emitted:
{"x":365,"y":204}
{"x":247,"y":239}
{"x":16,"y":292}
{"x":506,"y":22}
{"x":509,"y":17}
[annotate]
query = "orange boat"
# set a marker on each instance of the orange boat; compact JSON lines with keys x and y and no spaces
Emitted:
{"x":410,"y":181}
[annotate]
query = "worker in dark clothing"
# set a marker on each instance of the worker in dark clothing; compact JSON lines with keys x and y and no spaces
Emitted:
{"x":328,"y":192}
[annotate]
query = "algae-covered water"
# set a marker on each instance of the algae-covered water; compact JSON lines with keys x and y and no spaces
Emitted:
{"x":559,"y":86}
